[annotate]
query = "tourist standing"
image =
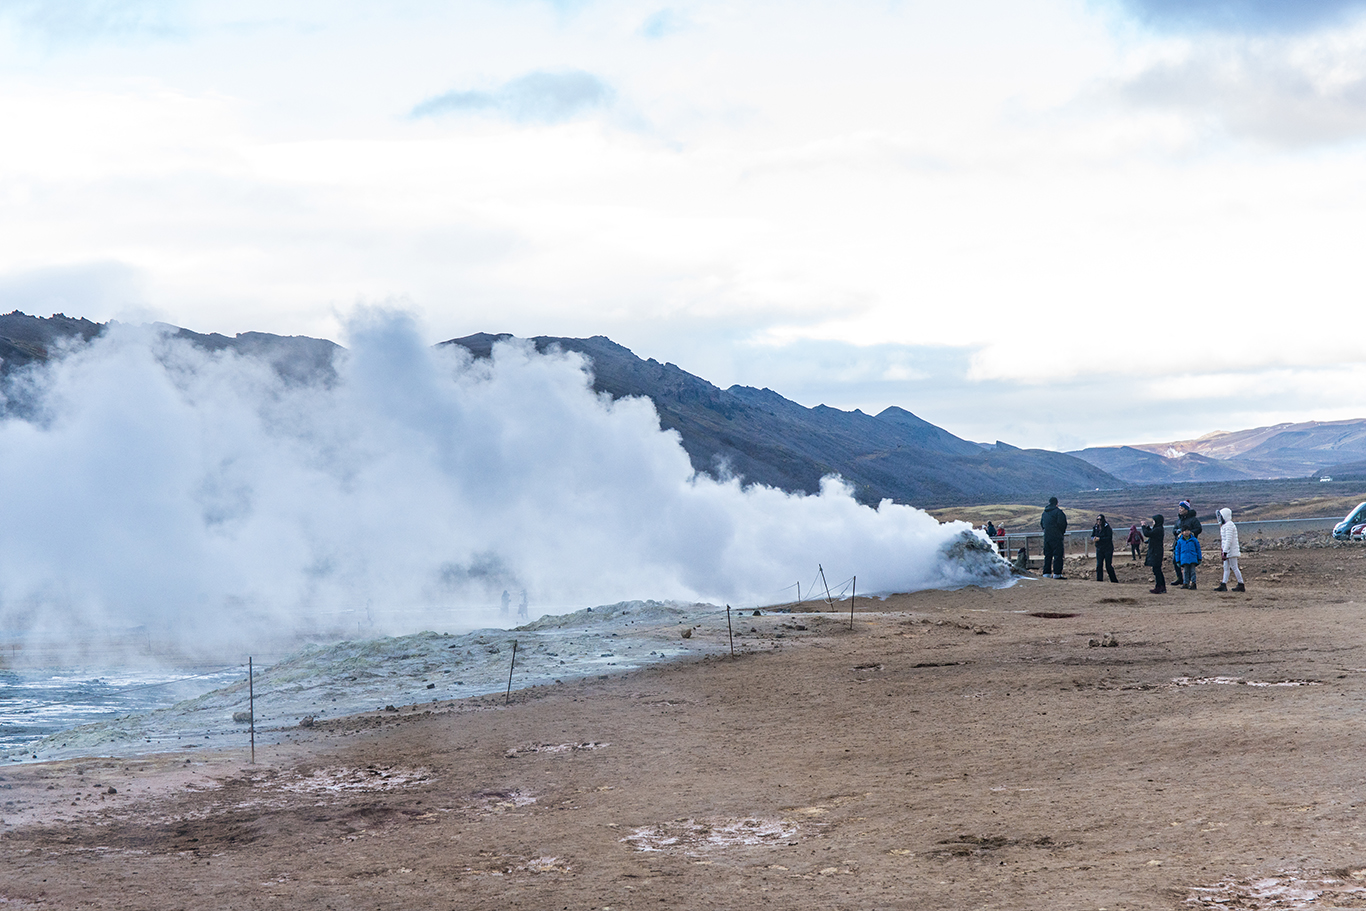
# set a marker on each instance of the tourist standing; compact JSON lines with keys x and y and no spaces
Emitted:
{"x":1185,"y":521}
{"x":1186,"y":554}
{"x":1054,"y":525}
{"x":1135,"y":542}
{"x":1154,"y":534}
{"x":1104,"y":536}
{"x":1228,"y":543}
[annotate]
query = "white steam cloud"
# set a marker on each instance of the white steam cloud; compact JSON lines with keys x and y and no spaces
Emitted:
{"x":202,"y":496}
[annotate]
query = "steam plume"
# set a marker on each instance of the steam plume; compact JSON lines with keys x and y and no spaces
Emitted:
{"x":207,"y":498}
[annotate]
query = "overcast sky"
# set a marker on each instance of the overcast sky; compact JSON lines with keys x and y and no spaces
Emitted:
{"x":1053,"y":222}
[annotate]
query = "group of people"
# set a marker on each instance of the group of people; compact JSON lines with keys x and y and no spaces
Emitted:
{"x":1186,"y":551}
{"x":521,"y":604}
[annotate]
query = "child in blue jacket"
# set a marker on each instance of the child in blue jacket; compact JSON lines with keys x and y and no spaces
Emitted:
{"x":1186,"y":551}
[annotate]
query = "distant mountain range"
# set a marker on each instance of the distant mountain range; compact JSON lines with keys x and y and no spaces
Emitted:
{"x":761,"y":437}
{"x":1312,"y":448}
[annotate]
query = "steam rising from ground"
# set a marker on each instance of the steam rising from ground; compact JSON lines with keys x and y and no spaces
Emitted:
{"x":205,"y":498}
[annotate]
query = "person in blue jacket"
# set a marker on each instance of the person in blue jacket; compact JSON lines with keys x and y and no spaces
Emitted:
{"x":1186,"y":554}
{"x":1186,"y":520}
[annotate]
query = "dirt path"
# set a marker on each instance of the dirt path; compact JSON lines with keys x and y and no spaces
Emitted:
{"x":952,"y":751}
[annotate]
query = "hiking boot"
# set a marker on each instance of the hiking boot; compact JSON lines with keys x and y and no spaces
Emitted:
{"x":1223,"y":587}
{"x":1191,"y":586}
{"x":1239,"y":587}
{"x":1158,"y":591}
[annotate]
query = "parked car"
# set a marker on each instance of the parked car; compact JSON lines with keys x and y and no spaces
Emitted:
{"x":1358,"y":532}
{"x":1343,"y":530}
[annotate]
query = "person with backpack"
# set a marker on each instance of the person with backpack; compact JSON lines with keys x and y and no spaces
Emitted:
{"x":1135,"y":541}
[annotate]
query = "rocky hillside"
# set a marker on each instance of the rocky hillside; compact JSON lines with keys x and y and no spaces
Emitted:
{"x":764,"y":438}
{"x":28,"y":339}
{"x":25,"y":340}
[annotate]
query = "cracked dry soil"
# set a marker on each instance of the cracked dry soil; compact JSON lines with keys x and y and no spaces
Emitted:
{"x":954,"y":751}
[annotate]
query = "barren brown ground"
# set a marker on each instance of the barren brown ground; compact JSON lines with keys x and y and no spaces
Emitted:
{"x":954,"y":750}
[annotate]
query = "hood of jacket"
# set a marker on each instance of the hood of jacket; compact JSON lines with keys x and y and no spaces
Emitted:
{"x":1226,"y":514}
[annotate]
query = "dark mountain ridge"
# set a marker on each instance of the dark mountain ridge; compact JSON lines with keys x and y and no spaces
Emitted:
{"x":755,"y":435}
{"x":27,"y":339}
{"x":762,"y":437}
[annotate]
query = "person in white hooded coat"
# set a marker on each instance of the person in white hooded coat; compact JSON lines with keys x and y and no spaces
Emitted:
{"x":1228,"y":543}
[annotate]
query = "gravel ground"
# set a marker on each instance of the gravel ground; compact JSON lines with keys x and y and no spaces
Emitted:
{"x":1057,"y":744}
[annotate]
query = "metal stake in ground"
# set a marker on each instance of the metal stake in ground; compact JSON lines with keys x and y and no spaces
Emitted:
{"x":829,"y":601}
{"x":730,"y":630}
{"x":508,"y":696}
{"x":853,"y":593}
{"x":251,"y":708}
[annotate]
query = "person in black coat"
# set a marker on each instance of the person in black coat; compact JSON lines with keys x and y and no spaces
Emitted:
{"x":1154,"y":535}
{"x":1054,"y":525}
{"x":1104,"y":536}
{"x":1186,"y":520}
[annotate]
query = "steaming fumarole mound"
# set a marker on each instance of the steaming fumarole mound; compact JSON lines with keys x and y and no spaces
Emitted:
{"x":970,"y":559}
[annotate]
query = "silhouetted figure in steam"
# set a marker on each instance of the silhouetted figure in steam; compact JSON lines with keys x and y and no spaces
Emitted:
{"x":507,"y":600}
{"x":521,"y":606}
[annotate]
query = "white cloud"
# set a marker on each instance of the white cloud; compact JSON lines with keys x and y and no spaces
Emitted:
{"x":541,"y":97}
{"x":109,"y":287}
{"x":83,"y":21}
{"x":1301,"y":91}
{"x":1030,"y":183}
{"x":663,"y":23}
